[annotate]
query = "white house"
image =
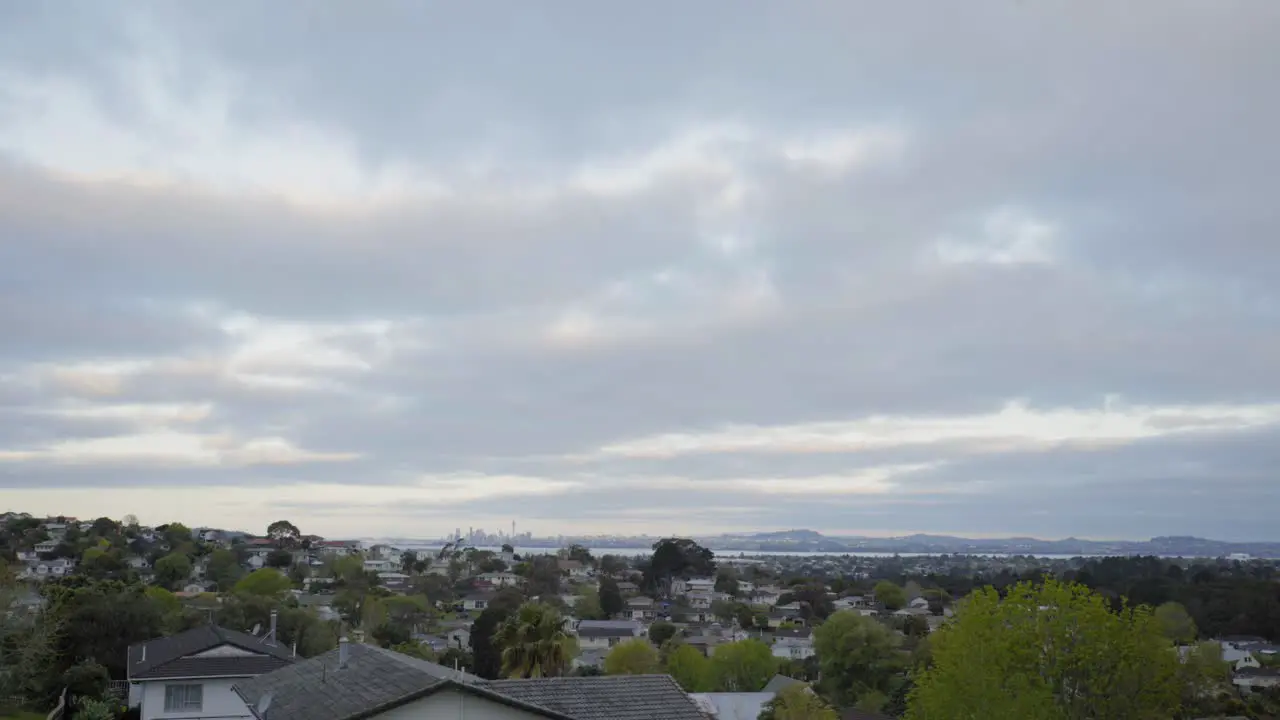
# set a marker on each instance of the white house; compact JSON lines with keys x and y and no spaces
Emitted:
{"x":380,"y":566}
{"x":641,"y":608}
{"x":793,"y":644}
{"x":604,"y":634}
{"x":47,"y":546}
{"x":191,"y":674}
{"x":501,"y":579}
{"x":477,"y":602}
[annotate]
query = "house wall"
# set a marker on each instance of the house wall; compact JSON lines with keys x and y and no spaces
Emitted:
{"x":453,"y":705}
{"x":792,"y":651}
{"x":220,"y":701}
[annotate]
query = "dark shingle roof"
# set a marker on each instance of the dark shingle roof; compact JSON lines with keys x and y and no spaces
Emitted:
{"x":619,"y":697}
{"x":317,"y":689}
{"x":609,"y":628}
{"x":166,"y":657}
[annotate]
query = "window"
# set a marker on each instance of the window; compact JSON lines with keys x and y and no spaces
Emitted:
{"x":183,"y":698}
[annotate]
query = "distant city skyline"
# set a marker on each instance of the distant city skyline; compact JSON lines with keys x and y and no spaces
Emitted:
{"x":666,"y":268}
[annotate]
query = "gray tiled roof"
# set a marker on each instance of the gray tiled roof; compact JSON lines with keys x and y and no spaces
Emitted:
{"x":780,"y":682}
{"x":619,"y":697}
{"x":317,"y":689}
{"x":166,"y":657}
{"x":609,"y":628}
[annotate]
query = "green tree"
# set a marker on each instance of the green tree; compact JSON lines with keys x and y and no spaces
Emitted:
{"x":797,"y":702}
{"x":587,"y":606}
{"x":1054,"y":651}
{"x":415,"y":649}
{"x":224,"y":569}
{"x":661,"y":631}
{"x":176,"y":534}
{"x":284,"y":533}
{"x":743,"y":666}
{"x":1176,"y":623}
{"x":890,"y":595}
{"x":690,"y":668}
{"x":173,"y":570}
{"x":857,"y":655}
{"x":267,"y":582}
{"x":727,"y":580}
{"x":486,"y":654}
{"x":633,"y":657}
{"x":611,"y":602}
{"x":677,"y":558}
{"x":279,"y":559}
{"x":534,"y":643}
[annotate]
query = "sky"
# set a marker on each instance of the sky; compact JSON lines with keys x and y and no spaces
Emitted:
{"x":390,"y":268}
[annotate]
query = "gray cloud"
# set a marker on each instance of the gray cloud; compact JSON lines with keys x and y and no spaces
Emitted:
{"x":435,"y":261}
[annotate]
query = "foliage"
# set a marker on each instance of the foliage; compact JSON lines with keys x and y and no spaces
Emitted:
{"x":89,"y":708}
{"x":814,"y":603}
{"x":677,"y":558}
{"x":279,"y":559}
{"x":690,"y":668}
{"x":579,"y":553}
{"x":486,"y":654}
{"x":266,"y":582}
{"x":1175,"y":623}
{"x":611,"y":602}
{"x":388,"y":635}
{"x":28,"y":649}
{"x":284,"y":533}
{"x":415,"y":649}
{"x":633,"y":657}
{"x":797,"y":702}
{"x":1049,"y":651}
{"x":99,"y":619}
{"x":890,"y":595}
{"x":542,"y":576}
{"x":661,"y":631}
{"x":456,"y":657}
{"x":534,"y":643}
{"x":172,"y":570}
{"x":612,"y":564}
{"x":857,"y":655}
{"x":587,"y":606}
{"x":86,"y":678}
{"x":743,"y":666}
{"x":727,"y":580}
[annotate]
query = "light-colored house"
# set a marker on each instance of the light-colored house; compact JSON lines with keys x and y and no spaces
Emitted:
{"x":641,"y":608}
{"x":381,"y":566}
{"x":47,"y":546}
{"x":137,"y":562}
{"x":190,"y":675}
{"x":501,"y":579}
{"x":793,"y":644}
{"x":1256,"y":678}
{"x":700,"y":600}
{"x":604,"y":634}
{"x":574,"y":569}
{"x":732,"y":705}
{"x":338,"y":547}
{"x":362,"y":681}
{"x":477,"y":602}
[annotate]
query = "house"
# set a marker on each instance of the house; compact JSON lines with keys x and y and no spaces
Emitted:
{"x":700,"y":600}
{"x":477,"y":602}
{"x":1256,"y":678}
{"x":501,"y":579}
{"x":459,"y":637}
{"x":191,"y":674}
{"x":918,"y":603}
{"x":793,"y":643}
{"x":700,"y":585}
{"x":394,"y":581}
{"x":713,"y":636}
{"x":641,"y":608}
{"x":321,"y":605}
{"x":574,"y":569}
{"x":45,"y":569}
{"x":47,"y":546}
{"x":785,"y":615}
{"x":362,"y":681}
{"x":137,"y":562}
{"x":338,"y":547}
{"x":381,"y":566}
{"x":598,"y":634}
{"x":627,"y":587}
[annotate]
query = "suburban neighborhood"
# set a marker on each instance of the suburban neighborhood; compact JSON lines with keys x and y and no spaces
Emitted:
{"x":289,"y":625}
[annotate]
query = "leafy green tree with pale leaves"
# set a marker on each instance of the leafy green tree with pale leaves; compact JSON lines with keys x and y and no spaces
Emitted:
{"x":1055,"y":651}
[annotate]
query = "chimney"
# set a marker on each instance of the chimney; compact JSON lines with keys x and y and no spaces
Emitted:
{"x":343,"y":652}
{"x":271,"y":634}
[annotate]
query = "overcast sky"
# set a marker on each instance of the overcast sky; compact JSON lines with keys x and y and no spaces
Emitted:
{"x":391,"y":268}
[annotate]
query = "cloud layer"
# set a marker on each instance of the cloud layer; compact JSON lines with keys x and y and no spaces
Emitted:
{"x":992,"y":269}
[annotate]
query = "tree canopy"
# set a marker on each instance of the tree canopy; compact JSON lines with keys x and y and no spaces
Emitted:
{"x":743,"y":666}
{"x":677,"y":558}
{"x":1048,"y":651}
{"x":267,"y":582}
{"x":1176,"y":623}
{"x":890,"y":595}
{"x":858,"y":656}
{"x":534,"y":642}
{"x":284,"y":533}
{"x":633,"y":657}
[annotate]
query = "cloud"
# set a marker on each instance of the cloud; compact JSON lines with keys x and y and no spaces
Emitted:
{"x":820,"y":265}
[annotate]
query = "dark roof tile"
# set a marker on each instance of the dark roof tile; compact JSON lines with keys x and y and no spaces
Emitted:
{"x":167,"y":657}
{"x":621,"y":697}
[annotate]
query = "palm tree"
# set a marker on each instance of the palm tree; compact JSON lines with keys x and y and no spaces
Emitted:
{"x":534,"y":643}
